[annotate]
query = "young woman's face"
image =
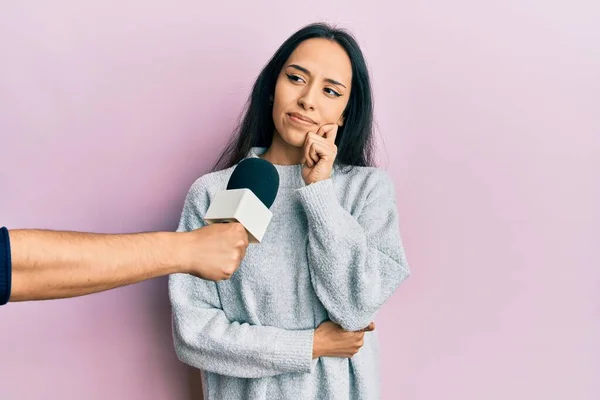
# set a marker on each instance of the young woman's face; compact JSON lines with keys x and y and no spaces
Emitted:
{"x":312,"y":90}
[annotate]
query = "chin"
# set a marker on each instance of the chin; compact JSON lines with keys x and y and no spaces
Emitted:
{"x":294,"y":137}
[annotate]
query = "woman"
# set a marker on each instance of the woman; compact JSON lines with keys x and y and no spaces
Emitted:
{"x":291,"y":320}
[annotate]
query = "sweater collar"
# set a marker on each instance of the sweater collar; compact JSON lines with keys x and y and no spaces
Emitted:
{"x":289,"y":175}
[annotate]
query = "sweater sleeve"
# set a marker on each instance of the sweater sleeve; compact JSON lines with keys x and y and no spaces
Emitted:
{"x":356,"y":262}
{"x":5,"y":266}
{"x":205,"y":338}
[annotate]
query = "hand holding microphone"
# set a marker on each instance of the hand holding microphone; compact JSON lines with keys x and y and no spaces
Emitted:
{"x":236,"y":216}
{"x":43,"y":264}
{"x":214,"y":252}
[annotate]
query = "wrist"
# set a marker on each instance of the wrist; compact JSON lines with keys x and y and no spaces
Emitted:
{"x":315,"y":180}
{"x":317,"y":347}
{"x":173,"y":257}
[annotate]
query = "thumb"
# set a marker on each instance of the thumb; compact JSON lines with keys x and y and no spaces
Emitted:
{"x":370,"y":327}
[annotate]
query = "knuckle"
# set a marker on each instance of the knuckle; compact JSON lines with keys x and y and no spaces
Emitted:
{"x":229,"y":270}
{"x":239,"y":228}
{"x":226,"y":274}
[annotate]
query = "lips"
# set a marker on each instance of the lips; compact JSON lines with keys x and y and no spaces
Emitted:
{"x":302,"y":118}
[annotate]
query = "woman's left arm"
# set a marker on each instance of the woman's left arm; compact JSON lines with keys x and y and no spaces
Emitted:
{"x":356,"y":263}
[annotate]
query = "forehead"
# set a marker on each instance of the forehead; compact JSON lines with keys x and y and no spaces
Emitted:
{"x":323,"y":57}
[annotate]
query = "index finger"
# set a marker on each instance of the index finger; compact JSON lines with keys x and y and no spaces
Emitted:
{"x":328,"y":131}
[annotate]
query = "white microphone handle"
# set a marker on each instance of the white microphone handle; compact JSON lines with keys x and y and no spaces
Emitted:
{"x":240,"y":205}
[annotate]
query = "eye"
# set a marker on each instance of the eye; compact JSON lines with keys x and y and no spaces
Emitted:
{"x":331,"y":92}
{"x":295,"y":78}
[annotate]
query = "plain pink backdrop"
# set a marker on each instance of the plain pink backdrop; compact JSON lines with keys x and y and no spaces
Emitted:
{"x":490,"y":113}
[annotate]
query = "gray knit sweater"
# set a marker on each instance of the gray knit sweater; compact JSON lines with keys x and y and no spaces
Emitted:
{"x":332,"y":251}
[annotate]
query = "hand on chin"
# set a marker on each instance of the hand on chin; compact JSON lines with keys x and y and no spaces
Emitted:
{"x":320,"y":153}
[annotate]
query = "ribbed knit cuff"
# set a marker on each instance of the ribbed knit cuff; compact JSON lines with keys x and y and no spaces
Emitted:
{"x":5,"y":266}
{"x":319,"y":199}
{"x":295,"y":353}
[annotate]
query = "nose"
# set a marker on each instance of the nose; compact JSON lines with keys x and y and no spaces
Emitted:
{"x":307,"y":98}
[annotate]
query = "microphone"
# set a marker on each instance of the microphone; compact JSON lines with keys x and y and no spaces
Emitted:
{"x":251,"y":191}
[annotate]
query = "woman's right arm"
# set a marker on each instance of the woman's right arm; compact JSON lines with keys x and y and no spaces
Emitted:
{"x":205,"y":338}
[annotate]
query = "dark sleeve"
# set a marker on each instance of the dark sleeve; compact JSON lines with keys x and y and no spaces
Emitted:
{"x":5,"y":266}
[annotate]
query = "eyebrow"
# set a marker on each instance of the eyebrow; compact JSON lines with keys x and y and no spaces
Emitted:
{"x":307,"y":72}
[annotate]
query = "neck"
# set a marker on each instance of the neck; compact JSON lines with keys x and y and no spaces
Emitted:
{"x":282,"y":153}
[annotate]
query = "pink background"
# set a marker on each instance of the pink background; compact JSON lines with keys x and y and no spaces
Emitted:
{"x":490,"y":114}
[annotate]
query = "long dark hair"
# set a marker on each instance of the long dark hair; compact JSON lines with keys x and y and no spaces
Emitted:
{"x":355,"y":139}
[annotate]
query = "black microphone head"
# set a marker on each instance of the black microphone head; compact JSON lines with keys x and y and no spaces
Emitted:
{"x":258,"y":175}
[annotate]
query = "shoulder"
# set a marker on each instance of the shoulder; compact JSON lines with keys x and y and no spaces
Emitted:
{"x":211,"y":182}
{"x":199,"y":197}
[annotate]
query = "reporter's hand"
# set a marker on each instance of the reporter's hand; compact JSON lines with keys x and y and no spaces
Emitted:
{"x":215,"y":252}
{"x":331,"y":340}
